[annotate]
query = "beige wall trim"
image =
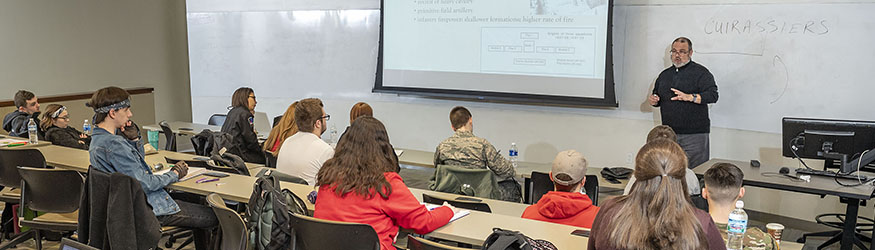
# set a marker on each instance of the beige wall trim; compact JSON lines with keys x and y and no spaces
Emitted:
{"x":77,"y":96}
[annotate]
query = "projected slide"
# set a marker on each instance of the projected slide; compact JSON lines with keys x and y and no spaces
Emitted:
{"x":535,"y":47}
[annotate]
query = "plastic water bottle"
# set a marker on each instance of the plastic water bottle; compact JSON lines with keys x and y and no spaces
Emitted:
{"x":737,"y":226}
{"x":31,"y":132}
{"x":513,"y":153}
{"x":86,"y":127}
{"x":333,"y":134}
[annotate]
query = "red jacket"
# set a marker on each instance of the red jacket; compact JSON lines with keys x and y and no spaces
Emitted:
{"x":569,"y":208}
{"x":385,"y":215}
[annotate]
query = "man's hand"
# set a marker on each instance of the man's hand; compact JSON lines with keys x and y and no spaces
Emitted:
{"x":181,"y":169}
{"x":131,"y":131}
{"x":654,"y":99}
{"x":681,"y":96}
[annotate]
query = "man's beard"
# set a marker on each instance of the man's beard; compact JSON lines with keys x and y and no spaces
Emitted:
{"x":678,"y":65}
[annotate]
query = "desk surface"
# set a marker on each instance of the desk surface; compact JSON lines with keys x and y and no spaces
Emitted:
{"x":524,"y":170}
{"x":191,"y":129}
{"x":819,"y":185}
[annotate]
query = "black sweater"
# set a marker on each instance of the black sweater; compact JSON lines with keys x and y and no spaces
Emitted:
{"x":67,"y":137}
{"x":683,"y":116}
{"x":237,"y":123}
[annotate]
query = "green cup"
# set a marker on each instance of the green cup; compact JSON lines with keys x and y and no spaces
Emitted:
{"x":153,"y":138}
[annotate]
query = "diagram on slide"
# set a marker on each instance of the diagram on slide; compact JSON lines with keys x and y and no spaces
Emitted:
{"x":565,"y":7}
{"x":538,"y":51}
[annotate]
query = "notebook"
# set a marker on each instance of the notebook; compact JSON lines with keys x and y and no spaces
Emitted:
{"x":456,"y":216}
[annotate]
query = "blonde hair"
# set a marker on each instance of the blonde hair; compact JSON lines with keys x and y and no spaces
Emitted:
{"x":284,"y":129}
{"x":47,"y":120}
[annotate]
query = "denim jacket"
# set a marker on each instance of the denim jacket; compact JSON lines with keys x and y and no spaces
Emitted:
{"x":113,"y":153}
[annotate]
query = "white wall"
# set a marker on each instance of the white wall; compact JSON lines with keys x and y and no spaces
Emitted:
{"x":59,"y":47}
{"x":541,"y":132}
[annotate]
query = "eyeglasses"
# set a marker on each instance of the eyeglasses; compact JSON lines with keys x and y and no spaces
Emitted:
{"x":682,"y":52}
{"x":252,"y":96}
{"x":327,"y":117}
{"x":64,"y":117}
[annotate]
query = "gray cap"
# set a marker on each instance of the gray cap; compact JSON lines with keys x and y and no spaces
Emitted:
{"x":571,"y":163}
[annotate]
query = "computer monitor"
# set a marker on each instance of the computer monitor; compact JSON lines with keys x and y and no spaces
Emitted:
{"x":838,"y":142}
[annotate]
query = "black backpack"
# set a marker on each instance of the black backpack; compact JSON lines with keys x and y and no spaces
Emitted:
{"x":501,"y":239}
{"x":269,"y":211}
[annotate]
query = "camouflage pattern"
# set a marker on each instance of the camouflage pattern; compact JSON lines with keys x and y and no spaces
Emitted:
{"x":755,"y":239}
{"x":466,"y":150}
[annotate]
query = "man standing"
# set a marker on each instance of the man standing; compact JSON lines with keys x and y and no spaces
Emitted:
{"x":466,"y":150}
{"x":28,"y":108}
{"x":722,"y":189}
{"x":303,"y":153}
{"x":683,"y":92}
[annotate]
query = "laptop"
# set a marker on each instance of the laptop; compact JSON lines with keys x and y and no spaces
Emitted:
{"x":262,"y":125}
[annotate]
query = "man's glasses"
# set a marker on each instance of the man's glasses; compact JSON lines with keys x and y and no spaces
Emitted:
{"x":682,"y":52}
{"x":327,"y":117}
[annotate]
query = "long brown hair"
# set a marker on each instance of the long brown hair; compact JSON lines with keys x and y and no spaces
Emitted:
{"x":240,"y":98}
{"x":658,"y":213}
{"x":360,"y":109}
{"x":362,"y":155}
{"x":47,"y":120}
{"x":285,"y":128}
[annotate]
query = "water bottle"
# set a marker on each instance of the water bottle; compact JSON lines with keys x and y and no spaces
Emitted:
{"x":333,"y":134}
{"x":86,"y":128}
{"x":513,"y":153}
{"x":31,"y":132}
{"x":737,"y":226}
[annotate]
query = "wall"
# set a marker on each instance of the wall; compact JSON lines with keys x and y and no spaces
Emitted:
{"x":60,"y":47}
{"x":606,"y":138}
{"x":142,"y":105}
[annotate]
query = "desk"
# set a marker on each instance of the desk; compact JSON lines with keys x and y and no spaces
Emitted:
{"x":78,"y":159}
{"x":191,"y":129}
{"x":818,"y":186}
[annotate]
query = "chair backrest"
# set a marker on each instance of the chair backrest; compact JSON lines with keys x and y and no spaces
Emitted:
{"x":276,"y":120}
{"x":270,"y":159}
{"x":169,"y":136}
{"x":11,"y":159}
{"x":541,"y":184}
{"x":281,"y":176}
{"x":591,"y":187}
{"x":217,"y":119}
{"x":234,"y":232}
{"x":465,"y":181}
{"x":317,"y":234}
{"x":51,"y":190}
{"x":460,"y":202}
{"x":416,"y":243}
{"x":68,"y":244}
{"x":191,"y":163}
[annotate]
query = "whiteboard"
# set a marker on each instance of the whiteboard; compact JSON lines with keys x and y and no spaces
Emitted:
{"x":823,"y":70}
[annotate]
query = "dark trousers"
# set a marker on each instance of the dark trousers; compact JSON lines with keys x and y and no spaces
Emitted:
{"x":198,"y":217}
{"x":697,"y":147}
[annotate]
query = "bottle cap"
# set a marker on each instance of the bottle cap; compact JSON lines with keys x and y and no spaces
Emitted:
{"x":739,"y":204}
{"x":513,"y":143}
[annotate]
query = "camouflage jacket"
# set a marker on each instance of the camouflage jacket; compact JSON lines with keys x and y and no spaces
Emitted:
{"x":754,"y":238}
{"x":465,"y":149}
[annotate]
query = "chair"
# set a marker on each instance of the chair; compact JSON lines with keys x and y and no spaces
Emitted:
{"x":191,"y":163}
{"x":270,"y":159}
{"x":68,"y":244}
{"x":10,"y":159}
{"x":217,"y":119}
{"x":318,"y":234}
{"x":234,"y":233}
{"x":866,"y":225}
{"x":281,"y":176}
{"x":541,"y":184}
{"x":416,"y":243}
{"x":276,"y":120}
{"x":169,"y":136}
{"x":465,"y":181}
{"x":55,"y":193}
{"x":460,"y":202}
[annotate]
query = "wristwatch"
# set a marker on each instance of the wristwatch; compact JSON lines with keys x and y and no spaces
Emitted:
{"x":694,"y":97}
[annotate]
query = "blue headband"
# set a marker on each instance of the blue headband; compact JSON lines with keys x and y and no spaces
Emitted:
{"x":120,"y":105}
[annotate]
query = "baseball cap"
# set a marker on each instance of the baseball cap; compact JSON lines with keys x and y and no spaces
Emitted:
{"x":571,"y":163}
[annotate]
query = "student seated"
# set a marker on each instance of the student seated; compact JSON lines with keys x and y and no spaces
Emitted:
{"x":657,"y":213}
{"x":115,"y":147}
{"x":360,"y":185}
{"x":284,"y":129}
{"x":566,"y":205}
{"x":303,"y":153}
{"x":239,"y":124}
{"x":466,"y":150}
{"x":55,"y":122}
{"x":27,"y":107}
{"x":663,"y":131}
{"x":722,"y":189}
{"x":361,"y":109}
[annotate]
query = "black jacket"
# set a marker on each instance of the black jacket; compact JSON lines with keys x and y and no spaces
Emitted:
{"x":114,"y":212}
{"x":67,"y":137}
{"x":238,"y":124}
{"x":682,"y":116}
{"x":16,"y":124}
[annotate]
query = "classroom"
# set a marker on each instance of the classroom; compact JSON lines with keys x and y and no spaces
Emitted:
{"x":778,"y":65}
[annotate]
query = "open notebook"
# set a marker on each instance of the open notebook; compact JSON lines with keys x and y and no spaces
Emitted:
{"x":192,"y":172}
{"x":456,"y":216}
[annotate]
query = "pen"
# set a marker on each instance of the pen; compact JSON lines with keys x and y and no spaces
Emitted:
{"x":208,"y":180}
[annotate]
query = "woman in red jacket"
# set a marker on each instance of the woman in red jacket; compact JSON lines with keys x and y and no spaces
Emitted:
{"x":360,"y":185}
